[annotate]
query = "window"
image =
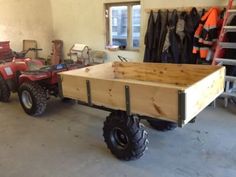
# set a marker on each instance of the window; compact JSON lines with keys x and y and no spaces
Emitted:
{"x":123,"y":24}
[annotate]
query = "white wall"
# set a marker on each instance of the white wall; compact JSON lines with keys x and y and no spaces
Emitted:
{"x":72,"y":21}
{"x":26,"y":19}
{"x":83,"y":21}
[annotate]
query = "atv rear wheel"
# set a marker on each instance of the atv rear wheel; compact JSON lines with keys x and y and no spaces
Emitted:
{"x":33,"y":99}
{"x":5,"y":92}
{"x":125,"y":136}
{"x":162,"y":125}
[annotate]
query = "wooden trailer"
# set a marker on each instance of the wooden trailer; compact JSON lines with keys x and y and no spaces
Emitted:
{"x":172,"y":93}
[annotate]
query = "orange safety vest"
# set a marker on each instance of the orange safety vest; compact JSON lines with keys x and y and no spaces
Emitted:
{"x":206,"y":34}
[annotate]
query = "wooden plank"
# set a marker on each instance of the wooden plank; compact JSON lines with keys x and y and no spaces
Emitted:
{"x":103,"y":71}
{"x":179,"y":75}
{"x":202,"y":93}
{"x":146,"y":100}
{"x":107,"y":72}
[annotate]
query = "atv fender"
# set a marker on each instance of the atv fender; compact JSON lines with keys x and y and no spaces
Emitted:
{"x":32,"y":78}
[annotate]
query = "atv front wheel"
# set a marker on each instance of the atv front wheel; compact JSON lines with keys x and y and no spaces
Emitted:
{"x":125,"y":136}
{"x":33,"y":98}
{"x":5,"y":92}
{"x":162,"y":125}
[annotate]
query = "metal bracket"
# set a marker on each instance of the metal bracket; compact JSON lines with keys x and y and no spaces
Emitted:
{"x":127,"y":100}
{"x":182,"y":108}
{"x":89,"y":93}
{"x":60,"y":91}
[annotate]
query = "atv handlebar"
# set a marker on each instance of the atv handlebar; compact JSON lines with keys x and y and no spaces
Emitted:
{"x":23,"y":53}
{"x":123,"y":59}
{"x":34,"y":49}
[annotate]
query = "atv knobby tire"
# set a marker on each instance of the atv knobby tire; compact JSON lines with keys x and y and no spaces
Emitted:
{"x":37,"y":101}
{"x":125,"y":136}
{"x":5,"y":92}
{"x":162,"y":125}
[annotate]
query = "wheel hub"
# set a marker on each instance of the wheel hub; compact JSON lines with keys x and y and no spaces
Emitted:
{"x":119,"y":138}
{"x":27,"y":99}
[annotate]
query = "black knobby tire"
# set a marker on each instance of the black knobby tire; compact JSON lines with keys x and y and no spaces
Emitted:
{"x":233,"y":100}
{"x":162,"y":125}
{"x":125,"y":136}
{"x":38,"y":98}
{"x":5,"y":92}
{"x":68,"y":100}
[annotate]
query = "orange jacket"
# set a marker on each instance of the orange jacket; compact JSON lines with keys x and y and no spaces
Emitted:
{"x":206,"y":33}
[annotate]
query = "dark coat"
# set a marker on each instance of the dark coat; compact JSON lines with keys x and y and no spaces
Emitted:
{"x":171,"y":44}
{"x":176,"y":39}
{"x":156,"y":38}
{"x":164,"y":23}
{"x":149,"y":38}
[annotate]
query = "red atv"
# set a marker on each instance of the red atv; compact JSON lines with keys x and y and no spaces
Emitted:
{"x":33,"y":81}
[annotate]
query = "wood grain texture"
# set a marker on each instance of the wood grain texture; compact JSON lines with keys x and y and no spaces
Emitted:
{"x":202,"y":93}
{"x":102,"y":71}
{"x":146,"y":100}
{"x":153,"y":87}
{"x":179,"y":75}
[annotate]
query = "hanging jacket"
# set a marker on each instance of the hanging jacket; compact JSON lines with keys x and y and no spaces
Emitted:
{"x":171,"y":44}
{"x":206,"y":34}
{"x":156,"y":38}
{"x":181,"y":34}
{"x":175,"y":39}
{"x":163,"y":32}
{"x":195,"y":18}
{"x":149,"y":38}
{"x":192,"y":21}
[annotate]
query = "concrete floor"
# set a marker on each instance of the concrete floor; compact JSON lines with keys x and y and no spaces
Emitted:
{"x":67,"y":142}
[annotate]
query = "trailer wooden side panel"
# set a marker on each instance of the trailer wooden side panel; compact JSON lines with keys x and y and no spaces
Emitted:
{"x":204,"y":92}
{"x":155,"y":89}
{"x":145,"y":100}
{"x":174,"y":74}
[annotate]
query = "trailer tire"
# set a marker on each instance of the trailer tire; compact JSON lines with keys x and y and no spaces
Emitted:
{"x":125,"y":136}
{"x":68,"y":100}
{"x":162,"y":125}
{"x":5,"y":92}
{"x":233,"y":100}
{"x":33,"y":98}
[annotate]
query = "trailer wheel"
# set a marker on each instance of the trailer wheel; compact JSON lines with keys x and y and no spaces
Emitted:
{"x":5,"y":92}
{"x":125,"y":136}
{"x":162,"y":125}
{"x":33,"y":98}
{"x":233,"y":100}
{"x":68,"y":100}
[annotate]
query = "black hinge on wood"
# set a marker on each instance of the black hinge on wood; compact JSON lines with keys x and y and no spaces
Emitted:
{"x":127,"y":100}
{"x":89,"y":93}
{"x":60,"y":91}
{"x":182,"y":108}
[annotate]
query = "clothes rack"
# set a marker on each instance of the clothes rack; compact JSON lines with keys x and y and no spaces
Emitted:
{"x":187,"y":9}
